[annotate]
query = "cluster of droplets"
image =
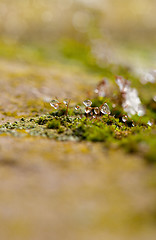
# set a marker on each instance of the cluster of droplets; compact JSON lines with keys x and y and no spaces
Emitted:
{"x":95,"y":111}
{"x":55,"y":103}
{"x":104,"y":108}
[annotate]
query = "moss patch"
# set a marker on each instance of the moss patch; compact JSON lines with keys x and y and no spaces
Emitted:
{"x":135,"y":135}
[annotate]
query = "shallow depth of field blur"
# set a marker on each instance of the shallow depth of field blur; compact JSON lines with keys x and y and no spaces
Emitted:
{"x":75,"y":190}
{"x":117,"y":31}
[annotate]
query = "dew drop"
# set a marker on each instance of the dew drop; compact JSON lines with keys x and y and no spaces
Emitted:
{"x":77,"y":107}
{"x":96,"y":110}
{"x":54,"y":104}
{"x":66,"y":101}
{"x":88,"y":110}
{"x":87,"y":103}
{"x":149,"y":123}
{"x":125,"y":118}
{"x":105,"y":109}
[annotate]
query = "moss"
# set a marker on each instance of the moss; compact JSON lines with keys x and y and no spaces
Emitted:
{"x":117,"y":112}
{"x":107,"y":129}
{"x":80,"y":131}
{"x":59,"y":113}
{"x":60,"y":130}
{"x":41,"y":120}
{"x":53,"y":124}
{"x":134,"y":136}
{"x":97,"y":134}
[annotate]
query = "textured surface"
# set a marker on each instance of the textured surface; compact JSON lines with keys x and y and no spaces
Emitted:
{"x":70,"y":190}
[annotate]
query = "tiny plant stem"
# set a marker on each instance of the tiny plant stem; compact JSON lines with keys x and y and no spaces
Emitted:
{"x":67,"y":107}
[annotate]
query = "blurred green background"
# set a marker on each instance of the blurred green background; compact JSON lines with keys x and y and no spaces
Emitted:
{"x":117,"y":31}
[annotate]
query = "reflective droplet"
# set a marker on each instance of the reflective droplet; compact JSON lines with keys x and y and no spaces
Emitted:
{"x":77,"y":107}
{"x":87,"y":103}
{"x":96,"y":110}
{"x":149,"y":123}
{"x":125,"y":118}
{"x":88,"y":110}
{"x":54,"y":104}
{"x":105,"y":109}
{"x":66,"y":101}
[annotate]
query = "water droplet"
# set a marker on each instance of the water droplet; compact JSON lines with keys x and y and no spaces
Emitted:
{"x":54,"y":104}
{"x":66,"y":101}
{"x":88,"y":110}
{"x":105,"y":109}
{"x":77,"y":107}
{"x":87,"y":103}
{"x":150,"y":123}
{"x":125,"y":118}
{"x":96,"y":110}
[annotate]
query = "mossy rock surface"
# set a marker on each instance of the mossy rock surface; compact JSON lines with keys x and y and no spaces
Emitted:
{"x":73,"y":177}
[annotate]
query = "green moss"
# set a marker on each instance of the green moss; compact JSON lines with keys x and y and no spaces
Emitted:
{"x":97,"y":134}
{"x":59,"y":113}
{"x":60,"y":130}
{"x":80,"y":131}
{"x":135,"y":136}
{"x":42,"y":120}
{"x":53,"y":124}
